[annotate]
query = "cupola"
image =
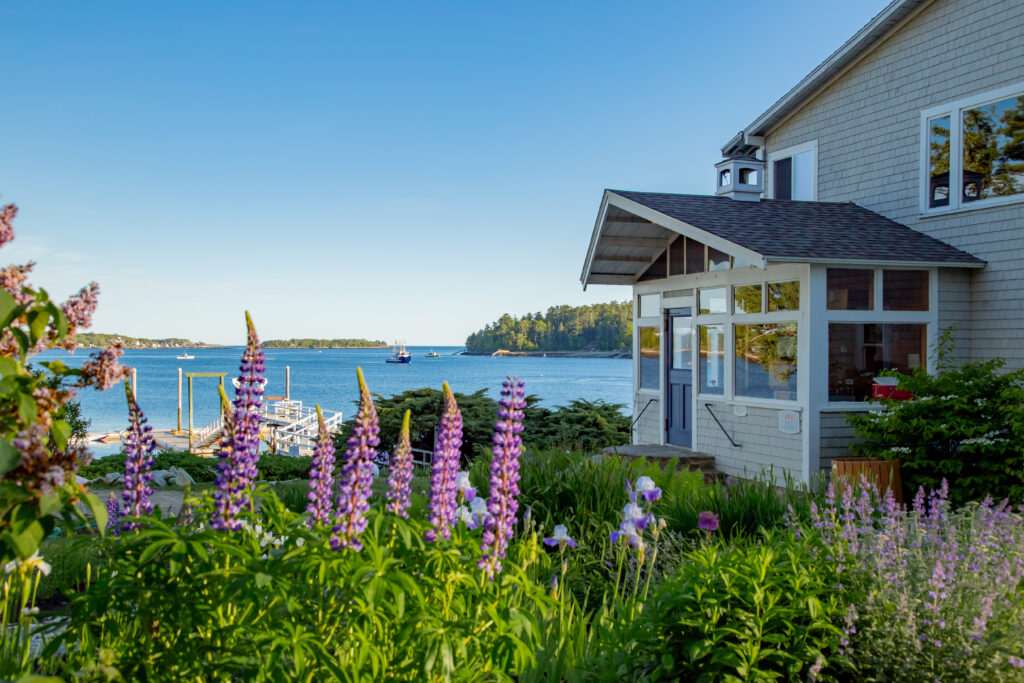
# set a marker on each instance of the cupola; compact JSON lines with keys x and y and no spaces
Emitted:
{"x":740,"y":178}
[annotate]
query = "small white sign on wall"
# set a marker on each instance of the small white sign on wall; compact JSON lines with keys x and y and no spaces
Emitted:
{"x":789,"y":422}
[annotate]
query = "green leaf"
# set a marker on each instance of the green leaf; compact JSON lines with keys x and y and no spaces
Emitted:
{"x":263,"y":579}
{"x":50,"y":504}
{"x":37,"y":321}
{"x":27,"y":409}
{"x":61,"y":432}
{"x":9,"y":367}
{"x":98,"y":510}
{"x":22,"y":338}
{"x":9,"y":456}
{"x":7,"y":306}
{"x":26,"y":541}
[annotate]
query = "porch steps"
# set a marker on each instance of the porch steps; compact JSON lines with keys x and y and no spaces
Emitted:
{"x":666,"y":455}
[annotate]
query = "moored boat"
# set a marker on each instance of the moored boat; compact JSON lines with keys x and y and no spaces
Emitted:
{"x":401,"y":355}
{"x":432,"y":354}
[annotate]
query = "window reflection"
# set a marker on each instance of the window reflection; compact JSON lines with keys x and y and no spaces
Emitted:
{"x":766,"y":361}
{"x":938,"y":162}
{"x":993,"y":149}
{"x":712,"y":354}
{"x":650,"y":355}
{"x":858,"y":352}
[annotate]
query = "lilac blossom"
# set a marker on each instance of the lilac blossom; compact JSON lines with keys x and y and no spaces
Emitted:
{"x":103,"y":370}
{"x":138,"y":447}
{"x":504,"y":491}
{"x":445,"y":468}
{"x":236,"y":469}
{"x":561,"y":538}
{"x":400,"y":476}
{"x":7,"y":214}
{"x":321,"y":477}
{"x":79,"y":308}
{"x":357,"y":473}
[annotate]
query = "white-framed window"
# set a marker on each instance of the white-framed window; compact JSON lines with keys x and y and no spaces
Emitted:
{"x":793,"y":172}
{"x":972,"y":152}
{"x":878,"y":320}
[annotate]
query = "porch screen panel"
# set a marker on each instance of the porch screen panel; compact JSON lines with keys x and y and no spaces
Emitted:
{"x":712,"y":359}
{"x":857,"y":352}
{"x":650,"y":358}
{"x":782,"y":178}
{"x":766,"y":364}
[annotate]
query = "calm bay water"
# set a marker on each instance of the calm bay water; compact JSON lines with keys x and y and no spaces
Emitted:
{"x":328,"y":377}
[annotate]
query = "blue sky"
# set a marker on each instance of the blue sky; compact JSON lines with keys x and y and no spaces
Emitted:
{"x":382,"y":170}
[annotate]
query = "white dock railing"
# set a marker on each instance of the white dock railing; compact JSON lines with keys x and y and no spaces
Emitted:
{"x":298,"y":425}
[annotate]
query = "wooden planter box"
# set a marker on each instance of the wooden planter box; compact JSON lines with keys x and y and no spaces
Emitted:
{"x":885,"y":474}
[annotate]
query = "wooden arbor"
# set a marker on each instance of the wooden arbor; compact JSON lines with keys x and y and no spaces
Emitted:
{"x":190,"y":376}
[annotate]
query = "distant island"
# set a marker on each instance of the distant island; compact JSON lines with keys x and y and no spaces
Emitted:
{"x":597,"y":330}
{"x":324,"y":344}
{"x":98,"y":340}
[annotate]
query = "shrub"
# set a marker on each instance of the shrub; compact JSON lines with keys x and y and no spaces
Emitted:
{"x":755,"y":609}
{"x":582,"y":425}
{"x":964,"y":424}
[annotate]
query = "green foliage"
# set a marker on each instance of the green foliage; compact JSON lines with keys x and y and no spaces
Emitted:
{"x":203,"y":468}
{"x":274,"y":602}
{"x":586,"y":425}
{"x":324,"y":344}
{"x":744,"y":506}
{"x":582,"y":425}
{"x":597,"y":327}
{"x":756,"y":609}
{"x":964,"y":424}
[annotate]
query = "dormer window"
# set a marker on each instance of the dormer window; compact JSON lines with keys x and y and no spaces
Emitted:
{"x":794,"y":172}
{"x":748,"y":176}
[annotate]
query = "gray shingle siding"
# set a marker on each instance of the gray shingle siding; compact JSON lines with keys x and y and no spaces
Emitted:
{"x":648,"y":428}
{"x":867,"y":124}
{"x":763,"y":446}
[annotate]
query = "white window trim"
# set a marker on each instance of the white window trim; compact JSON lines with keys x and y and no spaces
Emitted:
{"x":955,"y":112}
{"x":769,"y":178}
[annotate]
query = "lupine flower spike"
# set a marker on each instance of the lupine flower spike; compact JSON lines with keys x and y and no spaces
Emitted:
{"x":357,"y":473}
{"x":113,"y":514}
{"x":236,"y":470}
{"x":138,"y":447}
{"x":400,"y":477}
{"x":321,"y":477}
{"x":503,"y":499}
{"x":445,"y":468}
{"x":561,"y":538}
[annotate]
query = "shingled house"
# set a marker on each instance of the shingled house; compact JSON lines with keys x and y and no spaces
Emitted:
{"x":877,"y":203}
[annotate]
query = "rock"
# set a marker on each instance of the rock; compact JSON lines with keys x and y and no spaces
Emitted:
{"x":181,"y":477}
{"x":160,"y":477}
{"x":113,"y":477}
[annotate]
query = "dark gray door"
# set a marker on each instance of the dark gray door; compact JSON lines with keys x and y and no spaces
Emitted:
{"x":680,"y":377}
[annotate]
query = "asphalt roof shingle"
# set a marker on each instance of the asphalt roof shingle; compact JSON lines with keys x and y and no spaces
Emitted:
{"x":800,"y":230}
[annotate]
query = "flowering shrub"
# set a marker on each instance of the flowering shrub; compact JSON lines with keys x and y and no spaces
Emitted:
{"x":38,"y":459}
{"x":965,"y":423}
{"x":943,"y":589}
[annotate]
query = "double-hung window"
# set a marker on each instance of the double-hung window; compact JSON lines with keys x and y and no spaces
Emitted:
{"x":972,"y":151}
{"x":793,"y":172}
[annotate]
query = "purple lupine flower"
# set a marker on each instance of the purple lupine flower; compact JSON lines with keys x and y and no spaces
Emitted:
{"x":707,"y":521}
{"x":236,"y":469}
{"x":445,"y":468}
{"x":503,"y":498}
{"x":400,"y":477}
{"x":113,"y":514}
{"x":357,"y":473}
{"x":561,"y":538}
{"x":321,"y":477}
{"x":138,"y":447}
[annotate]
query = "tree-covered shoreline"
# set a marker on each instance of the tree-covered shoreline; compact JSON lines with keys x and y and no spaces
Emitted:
{"x":324,"y":344}
{"x":597,"y":327}
{"x":99,"y":340}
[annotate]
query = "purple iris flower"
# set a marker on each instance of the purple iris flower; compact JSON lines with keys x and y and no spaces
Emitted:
{"x":357,"y":473}
{"x":561,"y":538}
{"x":138,"y":447}
{"x":707,"y":521}
{"x":321,"y":477}
{"x":646,"y":489}
{"x":400,"y":476}
{"x":445,"y":468}
{"x":503,"y":502}
{"x":239,"y":448}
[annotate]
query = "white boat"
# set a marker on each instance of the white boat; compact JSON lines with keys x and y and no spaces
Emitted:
{"x":185,"y":356}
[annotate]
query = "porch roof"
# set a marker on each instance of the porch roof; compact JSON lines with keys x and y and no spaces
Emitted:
{"x":634,"y":228}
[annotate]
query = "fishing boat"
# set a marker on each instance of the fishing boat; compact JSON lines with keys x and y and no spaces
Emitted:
{"x":432,"y":354}
{"x":185,"y":356}
{"x":401,"y":355}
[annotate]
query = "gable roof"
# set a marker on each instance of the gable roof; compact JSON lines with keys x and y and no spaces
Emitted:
{"x":851,"y":51}
{"x":633,"y":228}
